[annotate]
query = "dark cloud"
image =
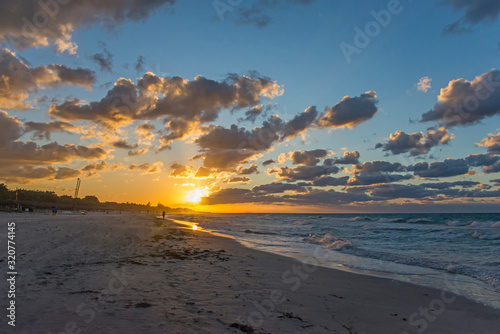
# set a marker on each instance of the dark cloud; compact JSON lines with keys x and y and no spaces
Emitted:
{"x":349,"y":158}
{"x":279,"y":187}
{"x":252,"y":114}
{"x":350,"y":112}
{"x":28,"y":174}
{"x":393,"y":191}
{"x":268,"y":162}
{"x":467,"y":102}
{"x":379,"y":166}
{"x":38,"y":23}
{"x":67,"y":173}
{"x":300,"y":123}
{"x":495,"y":168}
{"x":369,"y":179}
{"x":134,"y":153}
{"x":104,"y":60}
{"x":123,"y":144}
{"x":447,"y":168}
{"x":139,"y":64}
{"x":308,"y":158}
{"x":18,"y":80}
{"x":491,"y":143}
{"x":224,"y":148}
{"x":496,"y":181}
{"x":44,"y":130}
{"x":256,"y":14}
{"x":238,"y":179}
{"x":306,"y":173}
{"x":247,"y":171}
{"x":416,"y":143}
{"x":475,"y":12}
{"x":479,"y":160}
{"x":446,"y":185}
{"x":326,"y":181}
{"x":95,"y":166}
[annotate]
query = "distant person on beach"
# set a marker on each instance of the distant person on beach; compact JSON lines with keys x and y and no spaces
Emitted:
{"x":163,"y":214}
{"x":54,"y":211}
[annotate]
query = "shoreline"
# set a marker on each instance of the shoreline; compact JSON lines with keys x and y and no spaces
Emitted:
{"x":132,"y":273}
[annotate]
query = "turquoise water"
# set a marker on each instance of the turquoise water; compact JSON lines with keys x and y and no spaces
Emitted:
{"x":457,"y":252}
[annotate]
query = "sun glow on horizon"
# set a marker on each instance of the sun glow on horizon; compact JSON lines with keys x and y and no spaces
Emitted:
{"x":194,"y":196}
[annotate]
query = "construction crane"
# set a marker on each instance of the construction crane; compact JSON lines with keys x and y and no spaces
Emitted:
{"x":77,"y":189}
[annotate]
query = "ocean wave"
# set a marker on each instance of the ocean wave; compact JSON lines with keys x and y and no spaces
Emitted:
{"x":483,"y":236}
{"x":301,"y":222}
{"x":485,"y":224}
{"x":258,"y":232}
{"x":330,"y":241}
{"x":358,"y":218}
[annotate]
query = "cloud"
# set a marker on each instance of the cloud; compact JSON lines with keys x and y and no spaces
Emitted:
{"x":123,"y":144}
{"x":479,"y":160}
{"x":139,"y":64}
{"x":28,"y":174}
{"x":44,"y":130}
{"x":446,"y":185}
{"x":14,"y":152}
{"x":145,"y":130}
{"x":268,"y":162}
{"x":225,"y":148}
{"x":27,"y":23}
{"x":247,"y":171}
{"x":180,"y":103}
{"x":181,"y":171}
{"x":491,"y":143}
{"x":368,"y":179}
{"x":495,"y":168}
{"x":18,"y":80}
{"x":278,"y":187}
{"x":416,"y":143}
{"x":104,"y":60}
{"x":256,"y":13}
{"x":308,"y":158}
{"x":424,"y":84}
{"x":326,"y":181}
{"x":306,"y":173}
{"x":203,"y":172}
{"x":147,"y":168}
{"x":349,"y":158}
{"x":350,"y":112}
{"x":252,"y":114}
{"x":95,"y":166}
{"x":238,"y":179}
{"x":379,"y":166}
{"x":133,"y":153}
{"x":475,"y":12}
{"x":465,"y":102}
{"x":300,"y":123}
{"x":447,"y":168}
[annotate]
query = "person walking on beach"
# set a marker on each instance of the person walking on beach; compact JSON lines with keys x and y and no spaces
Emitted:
{"x":54,"y":211}
{"x":163,"y":214}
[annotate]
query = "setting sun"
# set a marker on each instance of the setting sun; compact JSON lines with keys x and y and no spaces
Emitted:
{"x":194,"y":196}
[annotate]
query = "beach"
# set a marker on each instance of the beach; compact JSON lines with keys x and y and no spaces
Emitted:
{"x":132,"y":273}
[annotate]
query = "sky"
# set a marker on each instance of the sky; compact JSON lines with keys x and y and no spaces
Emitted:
{"x":254,"y":105}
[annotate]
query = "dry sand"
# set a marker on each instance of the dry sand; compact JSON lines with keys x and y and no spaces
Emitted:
{"x":137,"y":274}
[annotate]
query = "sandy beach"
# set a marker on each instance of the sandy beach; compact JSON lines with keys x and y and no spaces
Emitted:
{"x":132,"y":273}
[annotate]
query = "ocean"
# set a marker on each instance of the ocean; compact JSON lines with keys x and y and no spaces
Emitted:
{"x":456,"y":252}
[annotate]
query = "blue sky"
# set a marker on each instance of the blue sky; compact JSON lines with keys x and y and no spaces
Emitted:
{"x":298,"y":48}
